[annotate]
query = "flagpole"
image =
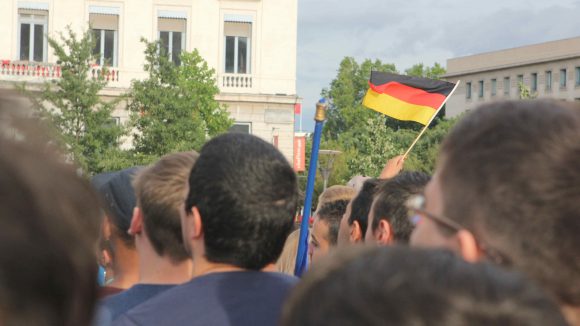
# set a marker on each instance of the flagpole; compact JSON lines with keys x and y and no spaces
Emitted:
{"x":302,"y":252}
{"x":429,"y":123}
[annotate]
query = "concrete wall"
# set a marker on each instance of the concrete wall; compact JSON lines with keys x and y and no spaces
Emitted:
{"x":524,"y":61}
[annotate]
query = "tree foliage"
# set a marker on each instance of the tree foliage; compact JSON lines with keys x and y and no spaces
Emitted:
{"x":525,"y":93}
{"x":174,"y":108}
{"x":346,"y":115}
{"x":420,"y":70}
{"x":72,"y":105}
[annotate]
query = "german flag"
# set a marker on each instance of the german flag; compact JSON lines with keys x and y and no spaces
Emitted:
{"x":405,"y":97}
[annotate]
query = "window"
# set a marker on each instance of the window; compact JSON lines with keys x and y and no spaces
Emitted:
{"x":534,"y":83}
{"x":481,"y":88}
{"x":506,"y":86}
{"x":172,"y":27}
{"x":493,"y":87}
{"x":520,"y":80}
{"x":33,"y":44}
{"x":468,"y":90}
{"x":241,"y":127}
{"x":237,"y":56}
{"x":577,"y":76}
{"x":548,"y":80}
{"x":562,"y":78}
{"x":105,"y":26}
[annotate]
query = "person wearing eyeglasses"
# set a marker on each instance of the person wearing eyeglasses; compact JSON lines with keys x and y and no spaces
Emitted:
{"x":507,"y":190}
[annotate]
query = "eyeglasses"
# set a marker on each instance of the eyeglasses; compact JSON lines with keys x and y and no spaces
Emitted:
{"x":416,"y":209}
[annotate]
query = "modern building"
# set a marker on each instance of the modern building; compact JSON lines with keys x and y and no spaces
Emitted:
{"x":550,"y":69}
{"x":250,"y":43}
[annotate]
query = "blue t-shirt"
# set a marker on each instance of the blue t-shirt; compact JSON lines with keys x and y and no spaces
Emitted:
{"x":118,"y":304}
{"x":229,"y":298}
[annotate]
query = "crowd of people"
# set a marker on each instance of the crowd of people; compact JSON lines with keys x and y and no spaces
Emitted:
{"x":491,"y":238}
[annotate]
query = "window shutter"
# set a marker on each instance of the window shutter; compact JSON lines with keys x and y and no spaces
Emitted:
{"x":171,"y":25}
{"x":238,"y":29}
{"x":101,"y":21}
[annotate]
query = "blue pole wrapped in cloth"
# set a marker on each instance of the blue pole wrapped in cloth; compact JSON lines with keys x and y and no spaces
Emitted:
{"x":302,"y":254}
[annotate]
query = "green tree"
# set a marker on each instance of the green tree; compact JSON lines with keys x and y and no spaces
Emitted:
{"x":346,"y":115}
{"x":420,"y":70}
{"x":525,"y":93}
{"x":72,"y":105}
{"x":174,"y":109}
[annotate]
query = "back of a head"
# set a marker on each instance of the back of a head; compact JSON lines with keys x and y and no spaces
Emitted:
{"x":336,"y":192}
{"x":247,"y":194}
{"x":287,"y":261}
{"x":361,"y":204}
{"x":331,"y":213}
{"x":48,"y":238}
{"x":405,"y":286}
{"x":390,"y":199}
{"x":160,"y":190}
{"x":118,"y":198}
{"x":510,"y":173}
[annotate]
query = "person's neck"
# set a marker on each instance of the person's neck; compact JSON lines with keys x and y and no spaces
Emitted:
{"x":125,"y":267}
{"x":201,"y":266}
{"x":155,"y":269}
{"x":572,"y":314}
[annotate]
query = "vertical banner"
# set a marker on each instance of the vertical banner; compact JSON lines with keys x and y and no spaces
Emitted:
{"x":299,"y":154}
{"x":297,"y":108}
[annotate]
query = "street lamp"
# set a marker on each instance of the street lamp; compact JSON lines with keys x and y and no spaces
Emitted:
{"x":325,"y":170}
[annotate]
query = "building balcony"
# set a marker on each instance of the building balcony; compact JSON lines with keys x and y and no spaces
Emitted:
{"x":38,"y":72}
{"x":24,"y":71}
{"x":236,"y":83}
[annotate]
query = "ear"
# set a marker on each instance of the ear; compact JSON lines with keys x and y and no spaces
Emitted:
{"x":197,"y":224}
{"x":136,"y":226}
{"x":384,"y":233}
{"x":106,"y":228}
{"x":355,"y":232}
{"x":105,"y":258}
{"x":468,"y":246}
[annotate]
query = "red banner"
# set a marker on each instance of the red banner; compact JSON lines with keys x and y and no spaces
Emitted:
{"x":297,"y":108}
{"x":299,"y":153}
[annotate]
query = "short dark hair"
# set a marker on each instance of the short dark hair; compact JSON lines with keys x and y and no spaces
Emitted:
{"x":247,"y":195}
{"x":510,"y":173}
{"x":361,"y":204}
{"x":50,"y":224}
{"x":160,"y":190}
{"x":118,"y":200}
{"x":407,"y":286}
{"x":332,"y":213}
{"x":390,"y":199}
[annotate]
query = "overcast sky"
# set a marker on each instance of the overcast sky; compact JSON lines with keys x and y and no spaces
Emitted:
{"x":405,"y":32}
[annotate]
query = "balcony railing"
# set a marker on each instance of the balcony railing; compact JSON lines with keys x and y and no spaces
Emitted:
{"x":29,"y":70}
{"x":111,"y":75}
{"x":236,"y":82}
{"x":40,"y":71}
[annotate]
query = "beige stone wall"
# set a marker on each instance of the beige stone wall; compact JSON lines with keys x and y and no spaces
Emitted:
{"x":269,"y":116}
{"x":458,"y":102}
{"x":505,"y":59}
{"x":272,"y":54}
